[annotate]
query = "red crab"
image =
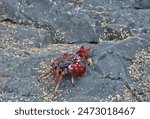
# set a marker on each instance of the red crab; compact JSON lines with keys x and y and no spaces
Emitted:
{"x":68,"y":63}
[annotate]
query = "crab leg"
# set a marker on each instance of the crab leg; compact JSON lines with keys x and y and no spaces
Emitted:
{"x":45,"y":75}
{"x":54,"y":77}
{"x":71,"y":75}
{"x":58,"y":83}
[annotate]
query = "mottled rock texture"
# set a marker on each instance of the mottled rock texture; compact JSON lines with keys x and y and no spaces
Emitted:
{"x":32,"y":32}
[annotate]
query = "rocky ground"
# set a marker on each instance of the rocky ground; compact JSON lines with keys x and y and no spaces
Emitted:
{"x":32,"y":32}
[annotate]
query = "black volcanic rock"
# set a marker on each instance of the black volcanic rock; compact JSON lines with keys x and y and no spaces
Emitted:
{"x":32,"y":32}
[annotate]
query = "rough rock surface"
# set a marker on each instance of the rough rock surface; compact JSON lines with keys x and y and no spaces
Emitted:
{"x":32,"y":32}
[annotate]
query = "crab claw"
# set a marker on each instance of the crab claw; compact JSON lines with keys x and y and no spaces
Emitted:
{"x":83,"y":53}
{"x":87,"y":57}
{"x":84,"y":50}
{"x":90,"y":61}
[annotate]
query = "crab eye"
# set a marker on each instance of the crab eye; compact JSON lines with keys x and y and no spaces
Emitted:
{"x":77,"y":58}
